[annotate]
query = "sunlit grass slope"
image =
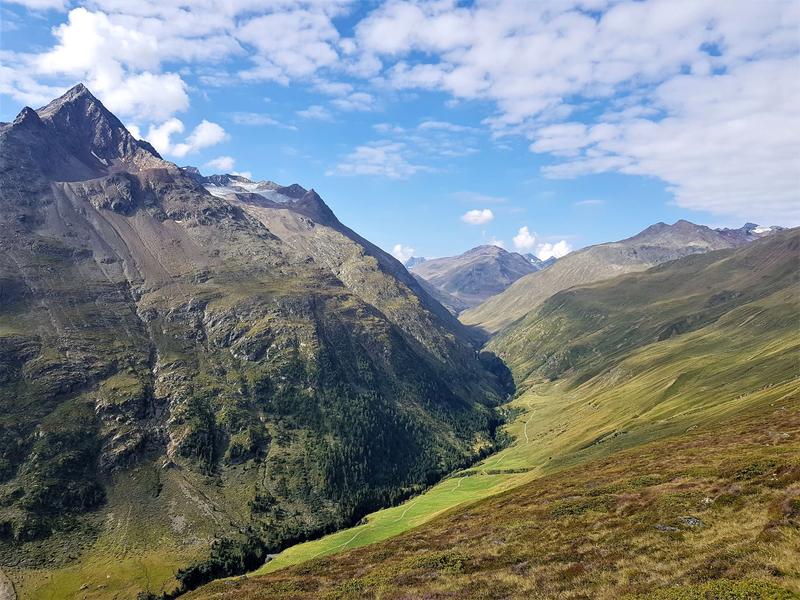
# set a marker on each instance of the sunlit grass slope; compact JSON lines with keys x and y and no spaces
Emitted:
{"x":713,"y":512}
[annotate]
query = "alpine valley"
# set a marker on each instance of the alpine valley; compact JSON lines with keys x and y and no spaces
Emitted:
{"x":210,"y":387}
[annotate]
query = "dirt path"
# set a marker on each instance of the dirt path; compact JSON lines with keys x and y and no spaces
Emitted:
{"x":525,"y":430}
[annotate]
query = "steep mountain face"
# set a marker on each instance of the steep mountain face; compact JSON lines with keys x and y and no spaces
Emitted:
{"x":301,"y":219}
{"x":477,"y":274}
{"x":657,"y":244}
{"x":450,"y":302}
{"x":172,"y":366}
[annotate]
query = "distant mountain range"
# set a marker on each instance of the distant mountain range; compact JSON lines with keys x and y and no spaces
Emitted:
{"x":475,"y":275}
{"x":414,"y":261}
{"x":657,"y":244}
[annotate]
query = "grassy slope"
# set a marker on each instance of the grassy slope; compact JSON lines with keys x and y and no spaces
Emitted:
{"x":609,"y":528}
{"x":659,"y":389}
{"x":591,"y":328}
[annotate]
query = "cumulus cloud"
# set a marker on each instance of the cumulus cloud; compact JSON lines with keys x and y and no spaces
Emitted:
{"x":289,"y":44}
{"x":557,"y":250}
{"x":118,"y":64}
{"x":206,"y":134}
{"x":358,"y":101}
{"x":698,"y":94}
{"x":221,"y":163}
{"x":445,"y":126}
{"x":478,"y":216}
{"x":727,"y":147}
{"x":402,"y":252}
{"x":524,"y":240}
{"x":119,"y":48}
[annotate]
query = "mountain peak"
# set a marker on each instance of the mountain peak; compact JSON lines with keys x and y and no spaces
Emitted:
{"x":295,"y":191}
{"x":485,"y":249}
{"x":77,"y":95}
{"x":84,"y":125}
{"x":27,"y":115}
{"x":475,"y":275}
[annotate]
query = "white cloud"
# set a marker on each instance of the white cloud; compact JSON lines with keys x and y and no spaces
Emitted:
{"x":118,"y":48}
{"x":117,"y":63}
{"x":382,"y":158}
{"x":444,"y":126}
{"x":289,"y":44}
{"x":478,"y":216}
{"x":493,"y":241}
{"x":698,"y":94}
{"x":160,"y":135}
{"x":206,"y":134}
{"x":557,"y":250}
{"x":315,"y":112}
{"x":728,"y":146}
{"x":701,"y":94}
{"x":590,"y":202}
{"x":402,"y":253}
{"x":221,"y":163}
{"x":524,"y":240}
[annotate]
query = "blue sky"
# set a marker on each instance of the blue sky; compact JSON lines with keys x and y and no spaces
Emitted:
{"x":439,"y":126}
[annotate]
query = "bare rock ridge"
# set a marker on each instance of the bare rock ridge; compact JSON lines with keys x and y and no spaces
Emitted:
{"x":475,"y":275}
{"x":240,"y":349}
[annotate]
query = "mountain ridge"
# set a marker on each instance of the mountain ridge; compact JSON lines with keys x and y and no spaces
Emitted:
{"x":654,"y":245}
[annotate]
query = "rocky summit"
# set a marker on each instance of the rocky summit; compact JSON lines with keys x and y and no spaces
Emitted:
{"x":212,"y":363}
{"x":475,"y":275}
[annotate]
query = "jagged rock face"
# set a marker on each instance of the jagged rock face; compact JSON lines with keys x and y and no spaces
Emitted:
{"x":476,"y":275}
{"x":145,"y":319}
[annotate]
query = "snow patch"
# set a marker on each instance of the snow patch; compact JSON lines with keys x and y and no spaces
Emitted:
{"x":263,"y":189}
{"x":102,"y":160}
